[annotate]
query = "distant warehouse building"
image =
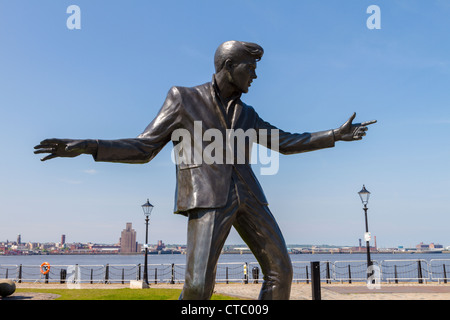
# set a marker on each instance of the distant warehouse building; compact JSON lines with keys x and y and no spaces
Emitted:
{"x":422,"y":246}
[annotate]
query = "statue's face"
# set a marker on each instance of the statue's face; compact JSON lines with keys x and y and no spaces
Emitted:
{"x":243,"y":73}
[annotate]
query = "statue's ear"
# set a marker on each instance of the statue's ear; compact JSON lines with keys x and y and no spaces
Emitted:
{"x":228,"y":65}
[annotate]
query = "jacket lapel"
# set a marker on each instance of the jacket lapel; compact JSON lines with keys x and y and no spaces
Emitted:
{"x":236,"y":113}
{"x":219,"y":108}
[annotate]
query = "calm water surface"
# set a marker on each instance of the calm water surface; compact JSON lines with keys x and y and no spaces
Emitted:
{"x":181,"y":259}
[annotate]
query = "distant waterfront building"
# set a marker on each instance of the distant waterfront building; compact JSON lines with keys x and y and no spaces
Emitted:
{"x":128,"y":240}
{"x":160,"y":246}
{"x":19,"y":239}
{"x":422,"y":246}
{"x":104,"y":248}
{"x":63,"y":240}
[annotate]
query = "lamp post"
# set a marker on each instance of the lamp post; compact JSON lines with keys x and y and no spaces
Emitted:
{"x":364,"y":195}
{"x":147,"y":208}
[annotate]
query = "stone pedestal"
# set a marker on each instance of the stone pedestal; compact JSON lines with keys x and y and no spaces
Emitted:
{"x":138,"y":284}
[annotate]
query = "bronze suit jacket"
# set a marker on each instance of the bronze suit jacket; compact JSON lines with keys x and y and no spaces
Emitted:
{"x":202,"y":185}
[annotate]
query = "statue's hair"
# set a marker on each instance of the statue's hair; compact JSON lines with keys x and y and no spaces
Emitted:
{"x":234,"y":50}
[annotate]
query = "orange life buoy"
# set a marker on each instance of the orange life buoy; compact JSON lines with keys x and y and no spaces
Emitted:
{"x":45,"y":268}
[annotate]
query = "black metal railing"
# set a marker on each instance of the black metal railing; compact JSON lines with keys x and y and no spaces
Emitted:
{"x":392,"y":271}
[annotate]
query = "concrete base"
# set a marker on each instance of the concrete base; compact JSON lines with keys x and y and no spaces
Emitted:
{"x":138,"y":284}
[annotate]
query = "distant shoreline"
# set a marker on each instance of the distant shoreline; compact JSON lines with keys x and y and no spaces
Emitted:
{"x":225,"y":252}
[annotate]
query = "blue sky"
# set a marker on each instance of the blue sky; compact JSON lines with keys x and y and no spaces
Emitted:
{"x":321,"y":64}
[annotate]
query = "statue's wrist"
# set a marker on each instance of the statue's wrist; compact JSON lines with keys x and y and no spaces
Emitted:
{"x":336,"y":134}
{"x":92,"y":146}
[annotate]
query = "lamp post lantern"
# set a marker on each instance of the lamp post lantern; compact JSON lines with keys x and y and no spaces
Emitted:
{"x":147,"y":208}
{"x":364,"y":194}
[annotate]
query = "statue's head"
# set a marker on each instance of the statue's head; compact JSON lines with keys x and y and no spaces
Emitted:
{"x":236,"y":60}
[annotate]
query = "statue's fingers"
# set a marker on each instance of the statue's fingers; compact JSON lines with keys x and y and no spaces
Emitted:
{"x":48,"y":143}
{"x":359,"y":129}
{"x":359,"y":133}
{"x":50,"y":156}
{"x":368,"y":122}
{"x":45,"y":150}
{"x":350,"y":120}
{"x":45,"y":146}
{"x":51,"y":141}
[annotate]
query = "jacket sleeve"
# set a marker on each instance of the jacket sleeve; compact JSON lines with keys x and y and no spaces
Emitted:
{"x":291,"y":143}
{"x":148,"y":144}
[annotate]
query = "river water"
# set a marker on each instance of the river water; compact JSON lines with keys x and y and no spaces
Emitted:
{"x":181,"y":259}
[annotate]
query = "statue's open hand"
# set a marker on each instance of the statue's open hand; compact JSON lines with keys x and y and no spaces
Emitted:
{"x":67,"y":148}
{"x":350,"y":132}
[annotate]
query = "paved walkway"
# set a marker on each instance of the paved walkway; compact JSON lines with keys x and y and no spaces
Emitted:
{"x":300,"y":291}
{"x":348,"y":292}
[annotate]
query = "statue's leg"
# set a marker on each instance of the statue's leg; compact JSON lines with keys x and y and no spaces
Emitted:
{"x":258,"y":228}
{"x":207,"y":231}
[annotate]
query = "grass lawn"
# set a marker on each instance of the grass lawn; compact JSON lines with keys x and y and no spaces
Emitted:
{"x":119,"y":294}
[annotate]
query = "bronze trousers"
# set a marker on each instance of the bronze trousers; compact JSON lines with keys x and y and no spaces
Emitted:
{"x":207,"y":231}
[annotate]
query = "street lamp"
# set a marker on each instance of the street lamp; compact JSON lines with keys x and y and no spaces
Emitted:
{"x":364,"y":195}
{"x":147,"y":208}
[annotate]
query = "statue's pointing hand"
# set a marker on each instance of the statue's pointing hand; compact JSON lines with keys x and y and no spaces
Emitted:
{"x":350,"y":132}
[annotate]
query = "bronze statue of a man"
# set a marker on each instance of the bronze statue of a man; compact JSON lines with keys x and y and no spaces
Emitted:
{"x":217,"y":195}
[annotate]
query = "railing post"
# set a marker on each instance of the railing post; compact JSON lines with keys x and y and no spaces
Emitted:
{"x":77,"y":275}
{"x":139,"y":272}
{"x":419,"y":271}
{"x":395,"y":274}
{"x":172,"y":280}
{"x":92,"y":276}
{"x":62,"y":276}
{"x":328,"y":272}
{"x":307,"y":275}
{"x":20,"y":274}
{"x":226,"y":274}
{"x":123,"y":275}
{"x":107,"y":273}
{"x":315,"y":280}
{"x":255,"y":274}
{"x":445,"y":273}
{"x":349,"y":274}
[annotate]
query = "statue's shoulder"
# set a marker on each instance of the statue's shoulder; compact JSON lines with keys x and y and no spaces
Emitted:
{"x":183,"y":91}
{"x":246,"y":107}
